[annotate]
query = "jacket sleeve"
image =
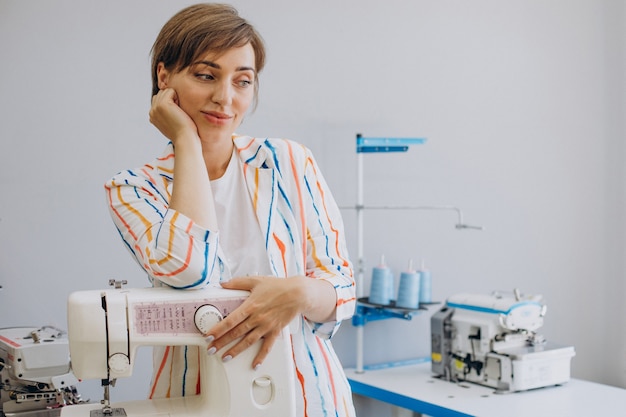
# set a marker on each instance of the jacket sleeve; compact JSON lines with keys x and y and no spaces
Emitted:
{"x":327,"y":253}
{"x":168,"y":245}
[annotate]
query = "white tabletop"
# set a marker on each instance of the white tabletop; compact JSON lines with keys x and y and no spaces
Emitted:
{"x":414,"y":387}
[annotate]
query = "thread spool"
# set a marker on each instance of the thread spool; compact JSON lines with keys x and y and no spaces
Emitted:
{"x":409,"y":288}
{"x":381,"y":289}
{"x":425,"y":285}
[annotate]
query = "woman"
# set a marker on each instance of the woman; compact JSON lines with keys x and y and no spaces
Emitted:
{"x":251,"y":214}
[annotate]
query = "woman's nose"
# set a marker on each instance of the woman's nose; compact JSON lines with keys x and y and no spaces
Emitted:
{"x":223,"y":93}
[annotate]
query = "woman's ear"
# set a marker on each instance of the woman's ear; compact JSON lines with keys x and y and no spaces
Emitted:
{"x":162,"y":76}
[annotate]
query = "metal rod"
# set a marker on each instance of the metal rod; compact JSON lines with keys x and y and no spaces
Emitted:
{"x":459,"y":225}
{"x":361,"y":261}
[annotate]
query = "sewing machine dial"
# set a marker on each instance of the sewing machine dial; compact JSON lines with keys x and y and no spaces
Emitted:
{"x":119,"y":363}
{"x":206,"y":317}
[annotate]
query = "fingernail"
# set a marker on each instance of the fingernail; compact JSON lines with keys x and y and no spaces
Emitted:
{"x":209,"y":339}
{"x":212,"y":350}
{"x":226,"y":358}
{"x":257,"y":366}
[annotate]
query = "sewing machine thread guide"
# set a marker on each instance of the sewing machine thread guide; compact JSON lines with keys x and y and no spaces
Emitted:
{"x":111,"y":412}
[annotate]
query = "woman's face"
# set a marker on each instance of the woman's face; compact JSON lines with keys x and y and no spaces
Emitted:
{"x":215,"y":91}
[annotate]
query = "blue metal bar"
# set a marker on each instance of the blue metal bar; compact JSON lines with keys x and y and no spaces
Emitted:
{"x":365,"y":314}
{"x":385,"y":144}
{"x":361,"y":141}
{"x":403,"y":401}
{"x":374,"y":149}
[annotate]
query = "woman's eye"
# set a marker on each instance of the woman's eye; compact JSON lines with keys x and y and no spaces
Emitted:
{"x":244,"y":83}
{"x":205,"y":77}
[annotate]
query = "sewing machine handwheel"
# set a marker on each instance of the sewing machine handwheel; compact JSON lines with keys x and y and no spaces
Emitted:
{"x":206,"y":317}
{"x":119,"y":363}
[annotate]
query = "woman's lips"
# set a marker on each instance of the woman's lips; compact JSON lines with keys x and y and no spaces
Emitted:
{"x":217,"y":117}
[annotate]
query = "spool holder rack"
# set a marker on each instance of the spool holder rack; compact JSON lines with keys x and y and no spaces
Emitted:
{"x":366,"y":312}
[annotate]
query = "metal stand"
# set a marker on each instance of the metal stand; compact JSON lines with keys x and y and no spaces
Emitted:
{"x":365,"y":312}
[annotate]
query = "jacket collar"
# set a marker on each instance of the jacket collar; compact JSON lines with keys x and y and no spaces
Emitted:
{"x":254,"y":152}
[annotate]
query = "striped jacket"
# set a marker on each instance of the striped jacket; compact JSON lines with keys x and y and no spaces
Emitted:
{"x":303,"y":233}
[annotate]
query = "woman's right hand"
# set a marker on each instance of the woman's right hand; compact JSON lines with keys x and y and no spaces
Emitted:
{"x":191,"y":194}
{"x":167,"y":116}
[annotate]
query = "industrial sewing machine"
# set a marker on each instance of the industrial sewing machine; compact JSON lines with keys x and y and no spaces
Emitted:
{"x":106,"y":328}
{"x":491,"y":340}
{"x":35,"y":375}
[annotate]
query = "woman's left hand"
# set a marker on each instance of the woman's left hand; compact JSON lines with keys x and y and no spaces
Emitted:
{"x":272,"y":304}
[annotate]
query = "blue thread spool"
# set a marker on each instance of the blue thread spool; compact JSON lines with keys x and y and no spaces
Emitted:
{"x":381,"y":289}
{"x":409,"y":288}
{"x":425,"y":285}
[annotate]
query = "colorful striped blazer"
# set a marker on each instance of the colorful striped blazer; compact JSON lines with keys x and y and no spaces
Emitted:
{"x":303,"y":232}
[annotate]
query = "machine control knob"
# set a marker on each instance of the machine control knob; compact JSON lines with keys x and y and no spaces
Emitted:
{"x":206,"y":317}
{"x":119,"y":363}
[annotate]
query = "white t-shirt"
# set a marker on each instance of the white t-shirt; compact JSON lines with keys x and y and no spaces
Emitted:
{"x":240,"y":234}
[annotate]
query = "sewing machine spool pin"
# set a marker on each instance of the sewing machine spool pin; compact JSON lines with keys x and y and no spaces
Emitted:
{"x":117,"y":284}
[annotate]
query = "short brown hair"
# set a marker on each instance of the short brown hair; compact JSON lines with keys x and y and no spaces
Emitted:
{"x":202,"y":28}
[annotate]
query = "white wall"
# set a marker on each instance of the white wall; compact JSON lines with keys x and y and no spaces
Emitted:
{"x":522,"y":103}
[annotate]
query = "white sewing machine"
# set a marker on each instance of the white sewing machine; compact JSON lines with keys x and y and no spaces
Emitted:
{"x":106,"y":327}
{"x":491,"y":340}
{"x":35,"y":373}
